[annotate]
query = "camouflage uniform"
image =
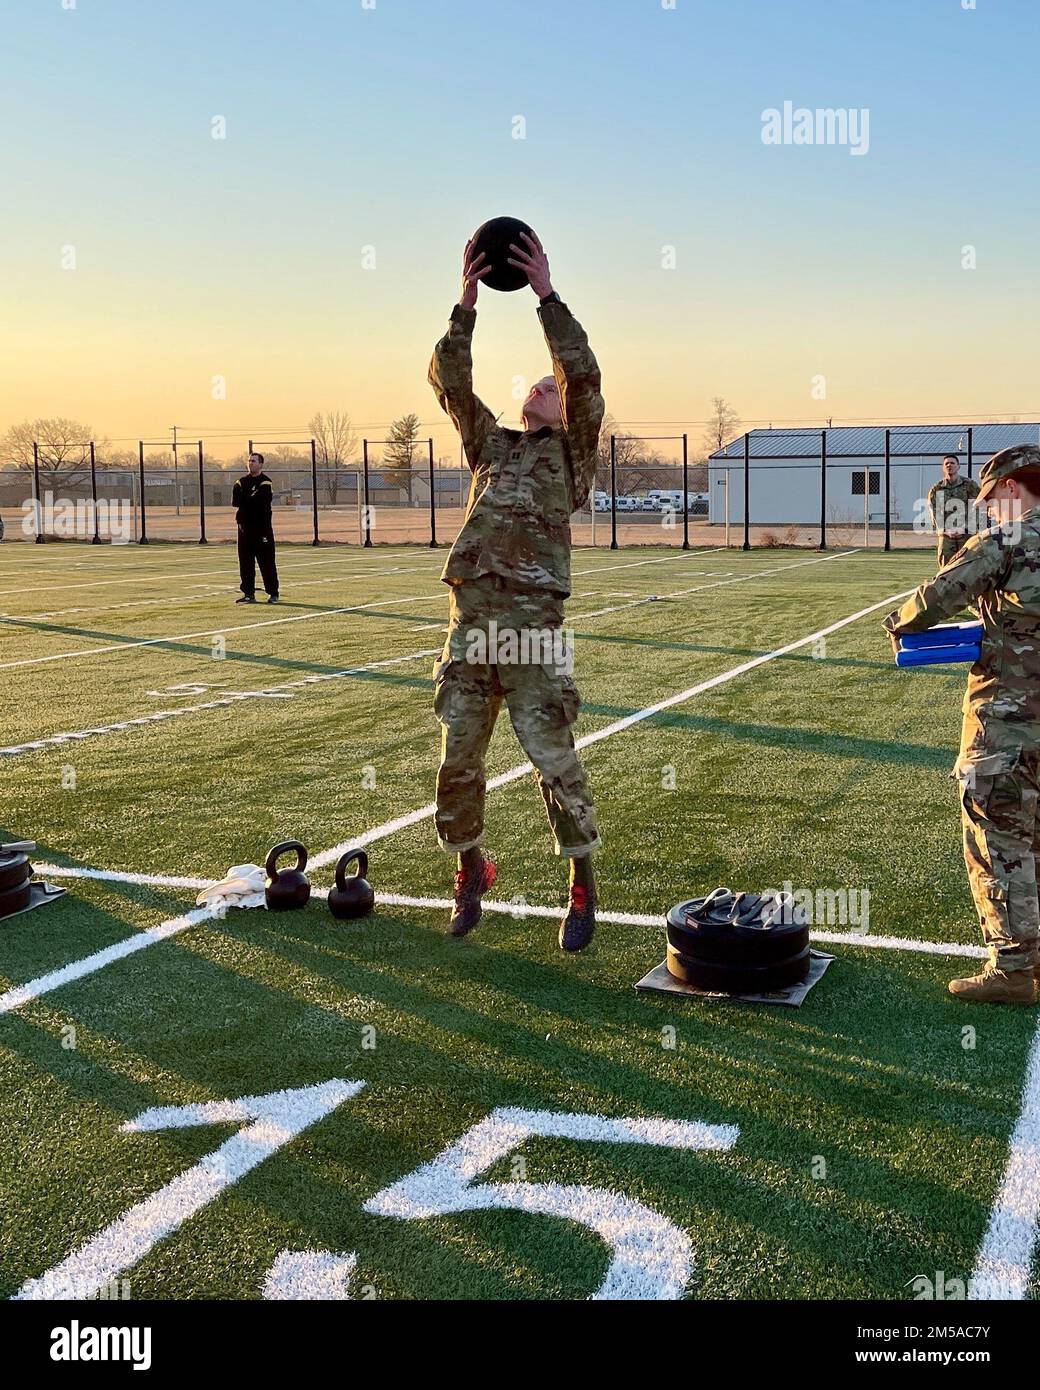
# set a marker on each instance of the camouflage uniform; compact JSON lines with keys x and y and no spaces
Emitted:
{"x":950,"y":505}
{"x":999,"y":763}
{"x":510,"y":566}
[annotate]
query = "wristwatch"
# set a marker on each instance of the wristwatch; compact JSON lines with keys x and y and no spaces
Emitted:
{"x":552,"y":298}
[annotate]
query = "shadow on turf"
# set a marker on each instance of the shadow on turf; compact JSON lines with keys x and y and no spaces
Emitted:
{"x":809,"y":1070}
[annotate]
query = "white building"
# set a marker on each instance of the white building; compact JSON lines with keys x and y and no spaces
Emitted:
{"x":785,"y":472}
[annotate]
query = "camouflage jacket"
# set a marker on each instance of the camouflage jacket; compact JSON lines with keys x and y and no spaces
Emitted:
{"x":950,"y":505}
{"x":525,"y":485}
{"x":999,"y":571}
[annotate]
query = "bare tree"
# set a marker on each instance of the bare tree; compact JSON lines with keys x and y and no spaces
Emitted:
{"x":723,"y":424}
{"x":403,"y":453}
{"x":336,"y":444}
{"x":63,"y":445}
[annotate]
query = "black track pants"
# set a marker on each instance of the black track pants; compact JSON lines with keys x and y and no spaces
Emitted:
{"x":257,"y":548}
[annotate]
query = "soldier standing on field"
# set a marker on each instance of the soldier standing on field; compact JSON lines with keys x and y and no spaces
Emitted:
{"x":948,"y":502}
{"x":998,"y":571}
{"x":509,"y":572}
{"x":252,"y":498}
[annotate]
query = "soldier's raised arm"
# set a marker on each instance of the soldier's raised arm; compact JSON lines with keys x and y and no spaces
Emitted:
{"x":451,"y":368}
{"x":581,"y":402}
{"x":975,"y":568}
{"x":574,"y":366}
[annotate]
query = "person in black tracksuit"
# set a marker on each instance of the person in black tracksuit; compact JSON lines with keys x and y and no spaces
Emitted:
{"x":252,"y":498}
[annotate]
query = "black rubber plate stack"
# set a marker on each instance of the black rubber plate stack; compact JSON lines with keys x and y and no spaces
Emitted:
{"x":15,"y":881}
{"x":738,"y":943}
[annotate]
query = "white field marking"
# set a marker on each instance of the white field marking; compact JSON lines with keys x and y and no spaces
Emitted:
{"x":272,"y":1122}
{"x":116,"y":607}
{"x":231,"y":697}
{"x":213,"y":571}
{"x":221,"y":631}
{"x":380,"y":832}
{"x":159,"y":716}
{"x":719,"y":584}
{"x":650,"y":1257}
{"x":190,"y":597}
{"x":665,"y":560}
{"x":1004,"y":1264}
{"x":21,"y":994}
{"x":298,"y":1275}
{"x":18,"y":995}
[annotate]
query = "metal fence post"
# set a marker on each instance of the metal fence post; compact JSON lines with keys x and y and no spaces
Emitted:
{"x":823,"y":489}
{"x":144,"y":510}
{"x":747,"y":492}
{"x":314,"y":489}
{"x":888,"y":489}
{"x":366,"y":515}
{"x":202,"y":497}
{"x":433,"y":503}
{"x":685,"y":496}
{"x":36,"y":489}
{"x":971,"y":450}
{"x":613,"y":492}
{"x":93,"y":494}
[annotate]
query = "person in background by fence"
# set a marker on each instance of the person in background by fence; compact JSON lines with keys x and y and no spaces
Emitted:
{"x":949,"y":501}
{"x":252,"y":500}
{"x":509,"y":572}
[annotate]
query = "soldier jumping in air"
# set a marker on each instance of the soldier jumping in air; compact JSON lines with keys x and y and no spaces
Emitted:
{"x":509,"y":574}
{"x":948,"y":501}
{"x":998,"y":571}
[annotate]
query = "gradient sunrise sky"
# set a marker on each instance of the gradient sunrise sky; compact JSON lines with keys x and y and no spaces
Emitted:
{"x":391,"y":126}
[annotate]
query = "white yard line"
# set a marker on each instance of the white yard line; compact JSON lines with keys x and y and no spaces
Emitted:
{"x":380,"y":832}
{"x":1004,"y":1265}
{"x":221,"y":702}
{"x":22,"y":993}
{"x":221,"y":631}
{"x":719,"y":584}
{"x":664,"y":560}
{"x":213,"y":571}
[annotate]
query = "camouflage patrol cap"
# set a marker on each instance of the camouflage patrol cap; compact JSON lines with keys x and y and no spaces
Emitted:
{"x":1005,"y":463}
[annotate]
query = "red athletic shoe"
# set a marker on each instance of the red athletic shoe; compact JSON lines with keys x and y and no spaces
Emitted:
{"x":577,"y":927}
{"x":469,"y":889}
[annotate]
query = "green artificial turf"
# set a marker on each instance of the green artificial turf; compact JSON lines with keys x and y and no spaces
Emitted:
{"x":873,"y":1129}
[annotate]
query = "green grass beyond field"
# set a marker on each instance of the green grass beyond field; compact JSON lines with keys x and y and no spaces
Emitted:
{"x":858,"y":1142}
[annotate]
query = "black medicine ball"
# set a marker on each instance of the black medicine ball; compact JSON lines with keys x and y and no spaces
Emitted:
{"x":494,"y":239}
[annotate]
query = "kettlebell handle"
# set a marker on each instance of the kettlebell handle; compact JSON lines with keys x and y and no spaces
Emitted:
{"x":348,"y":858}
{"x":272,"y":859}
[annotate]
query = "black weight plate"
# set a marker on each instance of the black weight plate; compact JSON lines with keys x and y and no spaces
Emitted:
{"x":735,"y":979}
{"x":14,"y":899}
{"x":730,"y":943}
{"x":14,"y":869}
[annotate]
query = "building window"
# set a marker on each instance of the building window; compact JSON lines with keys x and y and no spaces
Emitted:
{"x":858,"y":476}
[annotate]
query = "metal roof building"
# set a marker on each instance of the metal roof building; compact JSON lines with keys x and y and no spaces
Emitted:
{"x":845,"y":473}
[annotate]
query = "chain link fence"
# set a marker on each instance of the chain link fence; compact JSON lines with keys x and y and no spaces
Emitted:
{"x":804,"y":491}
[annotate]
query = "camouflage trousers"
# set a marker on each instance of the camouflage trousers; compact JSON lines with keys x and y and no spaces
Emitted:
{"x":946,"y":548}
{"x":543,"y":703}
{"x":1000,"y":819}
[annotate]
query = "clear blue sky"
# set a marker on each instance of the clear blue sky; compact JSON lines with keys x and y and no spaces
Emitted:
{"x":391,"y":127}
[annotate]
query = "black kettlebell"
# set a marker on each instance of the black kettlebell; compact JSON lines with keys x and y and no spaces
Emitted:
{"x":353,"y":896}
{"x":287,"y":888}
